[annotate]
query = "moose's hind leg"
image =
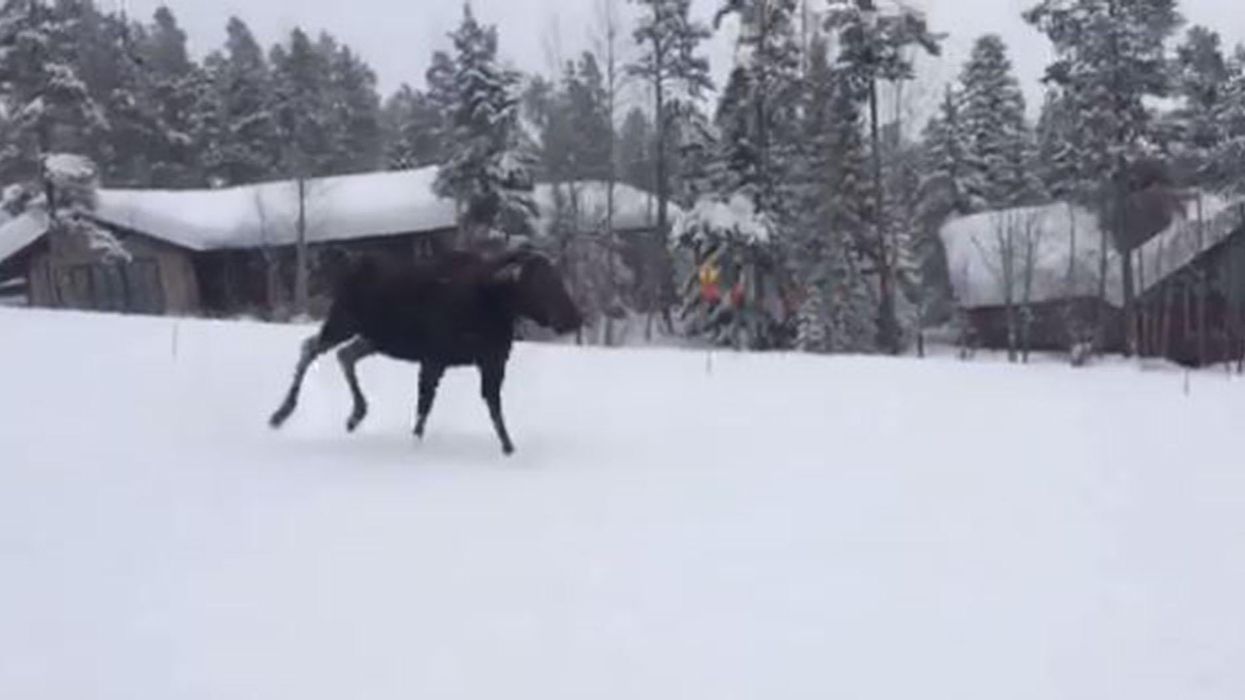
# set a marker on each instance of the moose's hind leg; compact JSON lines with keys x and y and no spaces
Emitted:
{"x":312,"y":348}
{"x":349,"y":356}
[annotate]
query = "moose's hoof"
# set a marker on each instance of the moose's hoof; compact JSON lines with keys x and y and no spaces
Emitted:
{"x":507,"y":450}
{"x":278,"y":419}
{"x":352,"y":424}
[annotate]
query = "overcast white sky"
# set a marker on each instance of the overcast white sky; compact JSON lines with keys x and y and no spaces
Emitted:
{"x":397,"y":36}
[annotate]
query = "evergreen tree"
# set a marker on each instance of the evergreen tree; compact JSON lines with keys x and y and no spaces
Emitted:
{"x":51,"y":120}
{"x":442,"y":94}
{"x":1060,"y":146}
{"x":1110,"y":58}
{"x":355,"y":113}
{"x":51,"y":110}
{"x":945,"y":159}
{"x":411,"y":123}
{"x":589,"y":120}
{"x":1229,"y":155}
{"x":242,"y":147}
{"x":488,"y":170}
{"x":677,"y":75}
{"x":761,"y":103}
{"x":1203,"y":83}
{"x":875,"y":48}
{"x":302,"y":108}
{"x":636,"y":148}
{"x":573,"y":123}
{"x":838,"y":312}
{"x":1000,"y":150}
{"x":175,"y":83}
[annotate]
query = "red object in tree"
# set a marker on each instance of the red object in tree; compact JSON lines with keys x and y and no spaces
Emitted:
{"x":737,"y":295}
{"x":711,"y":293}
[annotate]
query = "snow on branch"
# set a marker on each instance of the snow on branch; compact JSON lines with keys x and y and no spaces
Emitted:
{"x":714,"y":219}
{"x":73,"y":180}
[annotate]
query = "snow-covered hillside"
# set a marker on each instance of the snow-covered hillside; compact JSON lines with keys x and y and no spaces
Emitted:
{"x":769,"y":527}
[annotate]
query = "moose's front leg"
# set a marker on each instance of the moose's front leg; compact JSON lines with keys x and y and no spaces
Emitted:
{"x":492,"y":374}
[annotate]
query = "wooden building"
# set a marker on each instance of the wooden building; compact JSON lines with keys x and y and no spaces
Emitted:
{"x":1040,"y":271}
{"x":1196,"y":314}
{"x":232,"y":251}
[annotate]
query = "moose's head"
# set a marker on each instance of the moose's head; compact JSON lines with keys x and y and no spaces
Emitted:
{"x":537,"y":291}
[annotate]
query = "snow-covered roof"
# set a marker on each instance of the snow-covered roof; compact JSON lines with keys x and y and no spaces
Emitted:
{"x":1067,"y":243}
{"x":337,"y":209}
{"x":19,"y":232}
{"x":1186,"y":238}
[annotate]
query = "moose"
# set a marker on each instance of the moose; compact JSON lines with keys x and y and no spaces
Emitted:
{"x":455,"y":311}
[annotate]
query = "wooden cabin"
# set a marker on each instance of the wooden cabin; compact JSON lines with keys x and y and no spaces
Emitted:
{"x":1041,"y":270}
{"x":1195,"y":314}
{"x":232,"y":251}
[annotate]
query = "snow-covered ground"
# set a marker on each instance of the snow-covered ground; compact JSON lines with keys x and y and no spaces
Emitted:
{"x":767,"y":527}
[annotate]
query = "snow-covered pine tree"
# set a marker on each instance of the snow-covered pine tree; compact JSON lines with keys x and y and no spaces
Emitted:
{"x":354,"y":110}
{"x":111,"y":54}
{"x":175,"y":83}
{"x":301,"y":106}
{"x":999,"y":151}
{"x":411,"y":123}
{"x":1059,"y":150}
{"x":1203,"y":82}
{"x":489,"y":165}
{"x":850,"y":211}
{"x":874,"y":48}
{"x":738,"y":289}
{"x":575,"y":147}
{"x":1110,"y":58}
{"x":1229,"y":156}
{"x":242,"y":148}
{"x":636,"y":151}
{"x":812,"y":247}
{"x":671,"y":67}
{"x":945,"y":160}
{"x":442,"y":94}
{"x":759,"y":138}
{"x":589,"y":120}
{"x":574,"y":128}
{"x":49,"y":106}
{"x":762,"y":103}
{"x":52,"y":120}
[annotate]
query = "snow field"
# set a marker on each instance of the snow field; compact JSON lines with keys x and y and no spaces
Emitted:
{"x":673,"y":526}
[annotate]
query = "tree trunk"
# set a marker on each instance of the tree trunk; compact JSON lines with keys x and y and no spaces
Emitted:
{"x":654,"y":291}
{"x":1104,"y":304}
{"x":300,"y":264}
{"x":888,"y":332}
